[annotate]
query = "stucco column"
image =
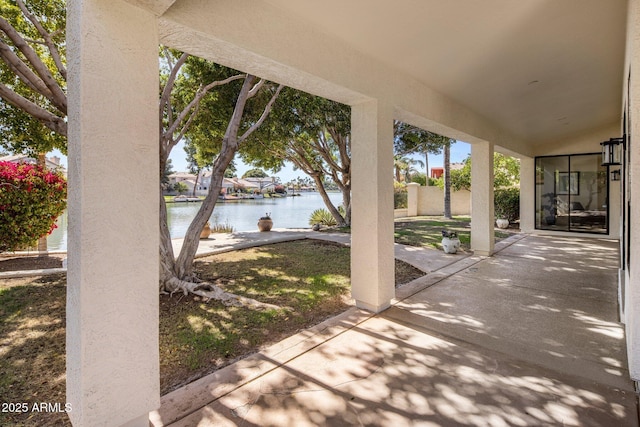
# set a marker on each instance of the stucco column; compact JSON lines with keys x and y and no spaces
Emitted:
{"x":482,"y":210}
{"x":527,"y":194}
{"x":372,"y":257}
{"x":632,"y":294}
{"x":412,"y":198}
{"x":112,"y":293}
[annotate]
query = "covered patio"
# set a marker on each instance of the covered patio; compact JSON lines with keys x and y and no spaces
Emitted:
{"x":467,"y":344}
{"x":531,"y":79}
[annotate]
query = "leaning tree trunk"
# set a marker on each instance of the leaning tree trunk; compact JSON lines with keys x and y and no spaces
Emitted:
{"x":327,"y":201}
{"x":167,"y":258}
{"x":447,"y":180}
{"x":346,"y":201}
{"x":178,"y":275}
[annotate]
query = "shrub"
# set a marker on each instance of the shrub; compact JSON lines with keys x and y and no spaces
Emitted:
{"x":323,"y":217}
{"x":399,"y":195}
{"x":419,"y":178}
{"x":180,"y":187}
{"x":222,"y":227}
{"x":507,"y":203}
{"x":400,"y":200}
{"x":31,"y":198}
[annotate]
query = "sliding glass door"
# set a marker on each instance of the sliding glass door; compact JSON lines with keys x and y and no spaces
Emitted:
{"x":572,"y":193}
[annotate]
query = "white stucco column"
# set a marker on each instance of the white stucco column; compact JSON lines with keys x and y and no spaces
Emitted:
{"x":527,"y":194}
{"x":632,"y":291}
{"x":412,"y":198}
{"x":482,"y":210}
{"x":372,"y":256}
{"x":112,"y":294}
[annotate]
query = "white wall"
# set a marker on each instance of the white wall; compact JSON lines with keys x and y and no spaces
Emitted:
{"x":632,"y":97}
{"x":431,"y":201}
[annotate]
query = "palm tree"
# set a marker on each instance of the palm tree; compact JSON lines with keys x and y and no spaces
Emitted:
{"x":403,"y":166}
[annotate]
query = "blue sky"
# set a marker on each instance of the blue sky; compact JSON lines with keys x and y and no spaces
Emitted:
{"x":459,"y":152}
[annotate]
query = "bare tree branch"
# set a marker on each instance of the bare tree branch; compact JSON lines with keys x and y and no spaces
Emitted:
{"x":23,"y":72}
{"x":50,"y":120}
{"x":187,"y":124}
{"x":196,"y":100}
{"x":57,"y":96}
{"x":48,"y":40}
{"x":256,"y":88}
{"x":165,"y":98}
{"x":264,"y":115}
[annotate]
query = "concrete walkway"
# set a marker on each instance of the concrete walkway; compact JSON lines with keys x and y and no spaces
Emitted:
{"x":528,"y":337}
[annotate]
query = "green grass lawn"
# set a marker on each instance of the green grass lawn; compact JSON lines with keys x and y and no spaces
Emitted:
{"x":308,"y":280}
{"x":426,"y":231}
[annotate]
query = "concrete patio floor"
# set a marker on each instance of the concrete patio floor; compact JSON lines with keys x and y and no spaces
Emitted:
{"x":528,"y":337}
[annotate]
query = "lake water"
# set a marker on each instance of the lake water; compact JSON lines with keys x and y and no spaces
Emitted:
{"x":286,"y":212}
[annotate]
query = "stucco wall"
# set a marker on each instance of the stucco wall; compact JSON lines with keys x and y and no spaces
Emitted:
{"x":400,"y":213}
{"x":632,"y":93}
{"x":431,"y":201}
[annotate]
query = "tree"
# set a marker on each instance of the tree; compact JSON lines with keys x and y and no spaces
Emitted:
{"x":461,"y":178}
{"x":192,"y":164}
{"x":165,"y":181}
{"x":255,"y":173}
{"x":180,"y":187}
{"x":403,"y":166}
{"x":313,"y":133}
{"x":31,"y":198}
{"x":33,"y":76}
{"x":409,"y":139}
{"x":218,"y":124}
{"x":231,"y":171}
{"x":33,"y":84}
{"x":506,"y":173}
{"x":412,"y":140}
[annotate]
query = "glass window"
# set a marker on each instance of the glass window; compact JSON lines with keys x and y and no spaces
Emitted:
{"x":572,"y":193}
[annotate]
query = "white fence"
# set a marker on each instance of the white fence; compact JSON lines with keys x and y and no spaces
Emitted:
{"x":430,"y":201}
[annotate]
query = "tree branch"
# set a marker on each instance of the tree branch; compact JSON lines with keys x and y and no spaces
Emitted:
{"x":48,"y":41}
{"x":196,"y":100}
{"x":165,"y":98}
{"x":23,"y":72}
{"x":256,"y":88}
{"x":185,"y":128}
{"x":50,"y":120}
{"x":57,"y":96}
{"x":265,"y":113}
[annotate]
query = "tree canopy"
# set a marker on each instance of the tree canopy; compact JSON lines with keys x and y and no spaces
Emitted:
{"x":255,"y":173}
{"x":409,"y":139}
{"x":506,"y":172}
{"x":313,"y":133}
{"x":33,"y":76}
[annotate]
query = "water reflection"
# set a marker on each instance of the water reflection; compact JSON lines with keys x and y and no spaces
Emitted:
{"x":288,"y":212}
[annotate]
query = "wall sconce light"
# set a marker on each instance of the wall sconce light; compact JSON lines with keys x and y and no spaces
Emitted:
{"x":612,"y":151}
{"x":615,"y":175}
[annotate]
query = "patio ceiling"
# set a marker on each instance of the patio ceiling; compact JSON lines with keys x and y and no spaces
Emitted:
{"x":539,"y":70}
{"x":542,"y":69}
